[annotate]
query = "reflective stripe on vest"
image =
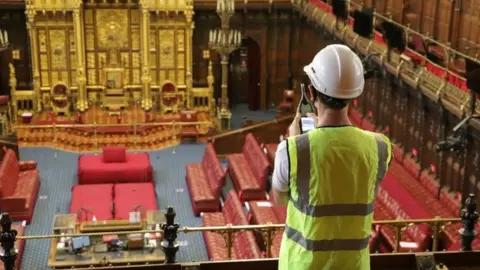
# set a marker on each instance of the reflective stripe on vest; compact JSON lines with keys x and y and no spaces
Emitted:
{"x":302,"y":203}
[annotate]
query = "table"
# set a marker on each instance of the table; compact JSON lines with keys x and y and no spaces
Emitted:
{"x":68,"y":260}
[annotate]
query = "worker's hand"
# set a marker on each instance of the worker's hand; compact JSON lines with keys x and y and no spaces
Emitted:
{"x":314,"y":118}
{"x":294,"y":129}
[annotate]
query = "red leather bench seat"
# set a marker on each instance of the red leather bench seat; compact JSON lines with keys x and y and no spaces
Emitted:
{"x":401,"y":204}
{"x":205,"y":181}
{"x":134,"y":197}
{"x":19,"y":186}
{"x":356,"y":117}
{"x":244,"y":244}
{"x":249,"y":170}
{"x":398,"y":153}
{"x":367,"y":125}
{"x":92,"y":200}
{"x":280,"y":210}
{"x":114,"y":166}
{"x":411,"y":166}
{"x":270,"y":151}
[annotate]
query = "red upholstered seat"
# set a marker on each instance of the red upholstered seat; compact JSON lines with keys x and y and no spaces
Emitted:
{"x":244,"y":245}
{"x":271,"y":150}
{"x":135,"y":196}
{"x":356,"y":117}
{"x":411,"y":165}
{"x":249,"y":170}
{"x":398,"y":153}
{"x":19,"y":186}
{"x":263,"y":213}
{"x":402,"y":204}
{"x":108,"y":168}
{"x":92,"y":200}
{"x":367,"y":125}
{"x":205,"y":181}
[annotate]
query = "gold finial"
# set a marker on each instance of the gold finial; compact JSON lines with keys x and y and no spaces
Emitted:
{"x":13,"y":78}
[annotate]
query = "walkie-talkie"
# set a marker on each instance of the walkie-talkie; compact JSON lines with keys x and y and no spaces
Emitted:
{"x":305,"y":106}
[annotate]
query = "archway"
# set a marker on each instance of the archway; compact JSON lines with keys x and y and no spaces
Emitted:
{"x":244,"y":75}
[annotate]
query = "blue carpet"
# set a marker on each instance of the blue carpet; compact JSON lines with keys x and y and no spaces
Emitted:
{"x":58,"y":173}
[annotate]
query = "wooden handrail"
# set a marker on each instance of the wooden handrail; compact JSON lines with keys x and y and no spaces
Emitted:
{"x":252,"y":127}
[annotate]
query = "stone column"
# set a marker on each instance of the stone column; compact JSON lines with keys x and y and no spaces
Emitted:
{"x":145,"y":51}
{"x":35,"y":59}
{"x":82,"y":103}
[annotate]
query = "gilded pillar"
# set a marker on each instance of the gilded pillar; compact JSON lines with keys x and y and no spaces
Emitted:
{"x":189,"y":37}
{"x":224,"y":64}
{"x":35,"y":59}
{"x":146,"y":77}
{"x":82,"y":103}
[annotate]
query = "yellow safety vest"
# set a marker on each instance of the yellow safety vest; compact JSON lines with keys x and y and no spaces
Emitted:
{"x":334,"y":172}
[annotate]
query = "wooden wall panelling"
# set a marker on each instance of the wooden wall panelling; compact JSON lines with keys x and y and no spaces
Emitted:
{"x":381,"y":6}
{"x":14,"y":22}
{"x":430,"y":136}
{"x":381,"y":106}
{"x":428,"y":16}
{"x":475,"y":29}
{"x":395,"y":8}
{"x":398,"y":115}
{"x":466,"y":19}
{"x":455,"y":24}
{"x":444,"y":17}
{"x":411,"y":123}
{"x":473,"y":155}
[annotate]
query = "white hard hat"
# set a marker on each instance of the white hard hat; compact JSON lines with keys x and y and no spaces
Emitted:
{"x":336,"y":71}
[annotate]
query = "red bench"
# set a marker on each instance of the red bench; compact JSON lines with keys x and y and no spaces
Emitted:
{"x":244,"y":244}
{"x":401,"y":204}
{"x":19,"y":186}
{"x":205,"y":181}
{"x":249,"y":170}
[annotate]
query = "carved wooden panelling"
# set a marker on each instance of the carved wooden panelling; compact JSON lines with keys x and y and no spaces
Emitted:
{"x":428,"y":16}
{"x":443,"y":20}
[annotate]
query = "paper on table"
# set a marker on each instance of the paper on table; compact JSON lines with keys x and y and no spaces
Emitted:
{"x":404,"y":244}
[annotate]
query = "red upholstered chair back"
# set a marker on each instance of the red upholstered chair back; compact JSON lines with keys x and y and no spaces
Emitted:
{"x":244,"y":243}
{"x":114,"y":154}
{"x":256,"y":158}
{"x":233,"y":210}
{"x":188,"y":116}
{"x":215,"y":173}
{"x":9,"y":171}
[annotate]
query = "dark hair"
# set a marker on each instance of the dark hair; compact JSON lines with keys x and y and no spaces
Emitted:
{"x":330,"y":102}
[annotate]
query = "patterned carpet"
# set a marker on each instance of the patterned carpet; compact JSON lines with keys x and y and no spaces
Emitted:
{"x":58,"y":171}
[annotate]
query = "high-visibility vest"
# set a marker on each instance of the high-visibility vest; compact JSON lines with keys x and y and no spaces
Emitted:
{"x":334,"y":172}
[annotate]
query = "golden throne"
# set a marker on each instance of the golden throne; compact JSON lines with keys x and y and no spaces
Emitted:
{"x":59,"y":99}
{"x":170,"y":98}
{"x":114,"y":95}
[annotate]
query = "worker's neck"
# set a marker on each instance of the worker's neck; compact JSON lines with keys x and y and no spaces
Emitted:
{"x":329,"y":117}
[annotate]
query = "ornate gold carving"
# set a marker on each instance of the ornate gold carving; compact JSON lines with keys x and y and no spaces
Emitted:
{"x":166,"y":41}
{"x":57,"y":48}
{"x":73,"y":60}
{"x":181,"y":77}
{"x":42,"y":41}
{"x":45,"y":78}
{"x":91,"y":60}
{"x":153,"y":60}
{"x":43,"y":61}
{"x":181,"y":40}
{"x":88,"y":16}
{"x":135,"y":15}
{"x":135,"y":39}
{"x":112,"y":28}
{"x":92,"y":77}
{"x":136,"y":76}
{"x":181,"y":61}
{"x":153,"y":39}
{"x":90,"y":40}
{"x":71,"y":40}
{"x":135,"y":60}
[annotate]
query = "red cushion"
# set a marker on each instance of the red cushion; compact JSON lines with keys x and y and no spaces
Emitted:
{"x":257,"y":161}
{"x":9,"y":173}
{"x":262,"y":212}
{"x":233,"y":210}
{"x":92,"y":200}
{"x":114,"y":154}
{"x":93,"y":170}
{"x":244,"y":179}
{"x":137,"y":196}
{"x":214,"y":242}
{"x":213,"y":170}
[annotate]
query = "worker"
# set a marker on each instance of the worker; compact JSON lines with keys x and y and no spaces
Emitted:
{"x":328,"y":177}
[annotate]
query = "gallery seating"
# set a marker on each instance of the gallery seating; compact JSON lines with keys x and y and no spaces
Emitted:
{"x":19,"y":186}
{"x":205,"y":181}
{"x":270,"y":150}
{"x":114,"y":166}
{"x":401,"y":204}
{"x":244,"y":244}
{"x":19,"y":245}
{"x":112,"y":201}
{"x":249,"y":170}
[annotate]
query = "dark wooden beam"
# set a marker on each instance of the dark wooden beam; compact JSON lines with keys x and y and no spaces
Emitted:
{"x":12,"y":4}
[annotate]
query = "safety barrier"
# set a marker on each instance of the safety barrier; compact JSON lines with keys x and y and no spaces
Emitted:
{"x":170,"y":231}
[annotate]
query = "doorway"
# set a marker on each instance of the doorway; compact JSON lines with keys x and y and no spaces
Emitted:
{"x":244,"y":75}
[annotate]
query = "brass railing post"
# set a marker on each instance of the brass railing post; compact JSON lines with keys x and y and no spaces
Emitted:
{"x":229,"y":241}
{"x":398,"y":237}
{"x":8,"y":236}
{"x":269,"y":240}
{"x":436,"y":233}
{"x":170,"y":233}
{"x":469,"y":217}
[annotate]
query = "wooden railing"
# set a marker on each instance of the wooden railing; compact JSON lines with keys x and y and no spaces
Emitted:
{"x":266,"y":132}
